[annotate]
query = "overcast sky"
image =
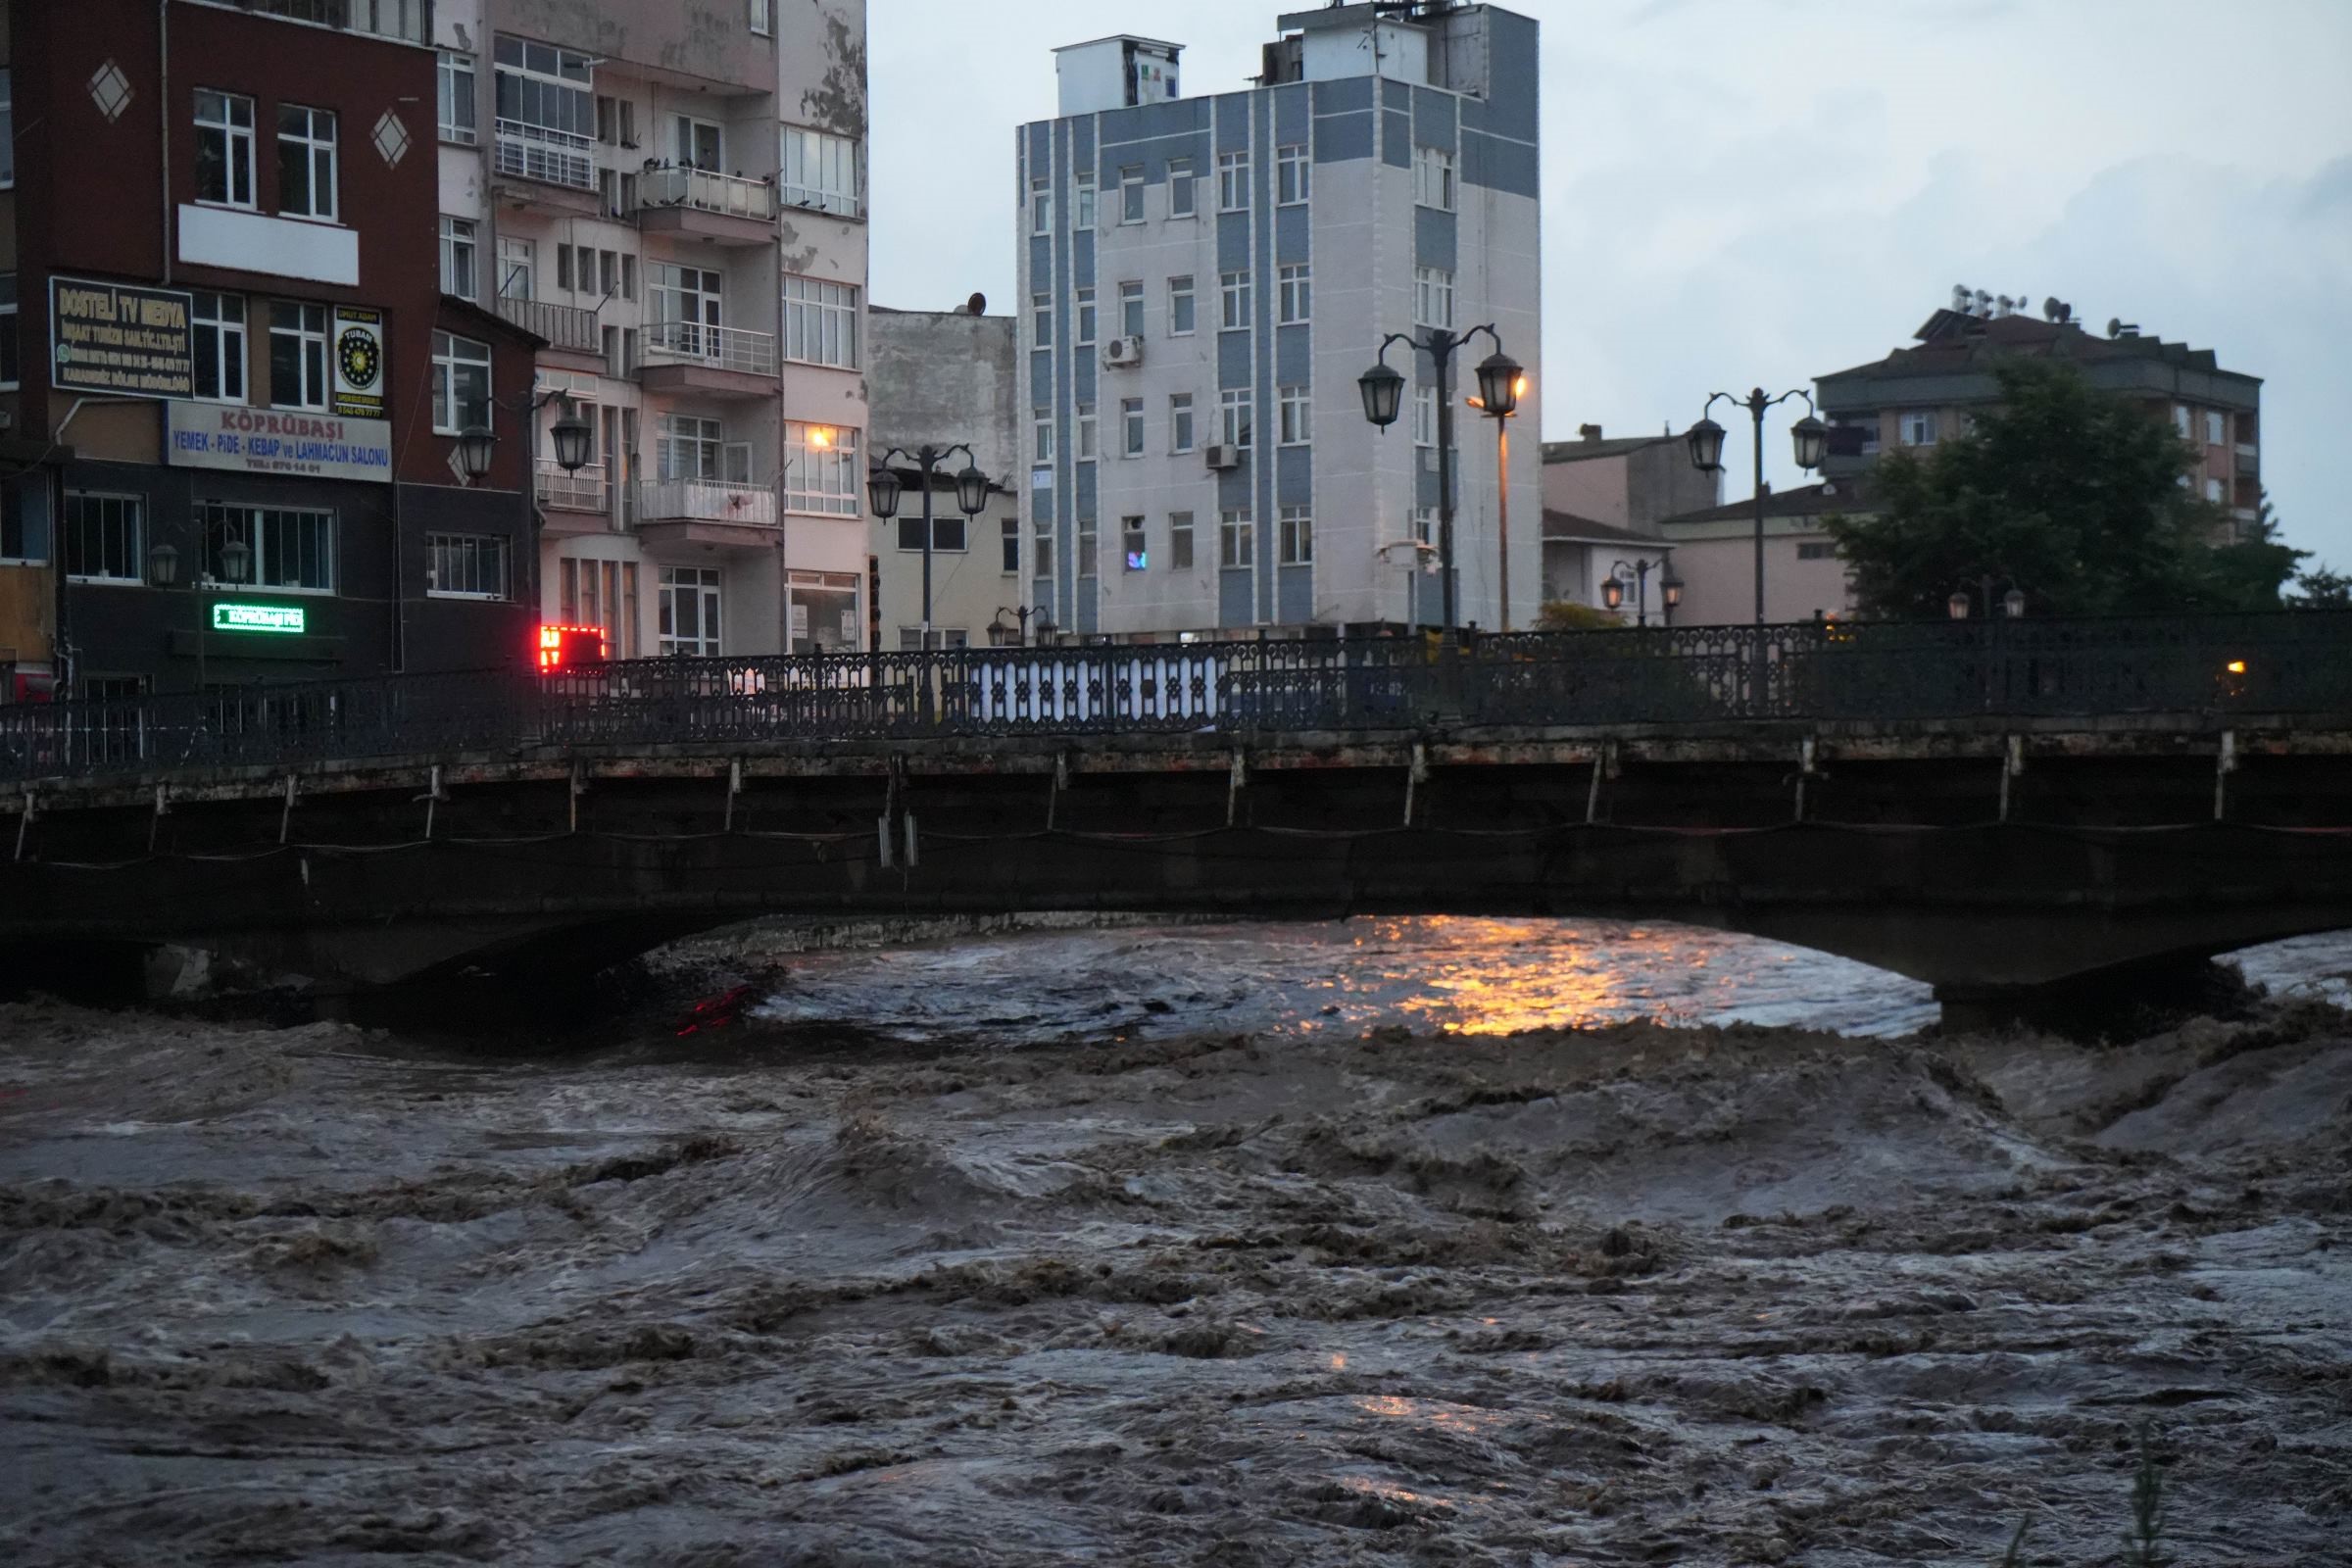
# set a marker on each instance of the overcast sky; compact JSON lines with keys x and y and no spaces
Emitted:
{"x":1745,"y":191}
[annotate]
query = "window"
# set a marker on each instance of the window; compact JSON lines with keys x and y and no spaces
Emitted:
{"x":1919,"y":427}
{"x":820,"y":322}
{"x":1131,"y":308}
{"x":1089,"y":548}
{"x":1295,"y":293}
{"x":461,"y":384}
{"x":1298,"y":420}
{"x":1425,"y":416}
{"x":764,"y":16}
{"x":1041,"y":546}
{"x":9,"y":368}
{"x":1237,"y":540}
{"x":1086,"y":318}
{"x":1043,"y":428}
{"x":1010,"y":531}
{"x":104,"y":537}
{"x":457,"y":252}
{"x":1180,"y":307}
{"x":8,"y":129}
{"x":1291,"y":175}
{"x":1134,"y":548}
{"x":689,"y":625}
{"x":517,"y":269}
{"x":1082,"y":203}
{"x":2217,"y":427}
{"x":1131,"y":427}
{"x":218,"y":325}
{"x":2180,"y":420}
{"x":698,"y":143}
{"x":23,"y":525}
{"x":1180,"y":187}
{"x":1433,"y":297}
{"x":822,"y":472}
{"x":288,"y":551}
{"x":1086,"y":432}
{"x":947,"y":529}
{"x":297,"y":355}
{"x":1432,"y":179}
{"x":1298,"y":541}
{"x":1816,"y":549}
{"x":306,"y":161}
{"x":1233,"y":288}
{"x":1041,"y":321}
{"x":223,"y":148}
{"x":546,"y":106}
{"x":1425,"y":524}
{"x":687,"y":295}
{"x":1131,"y":194}
{"x":629,"y":277}
{"x":1180,"y":541}
{"x":1179,"y":422}
{"x":1232,"y":181}
{"x":820,"y":170}
{"x":2213,"y":490}
{"x":1041,"y":207}
{"x":687,"y":446}
{"x":1234,"y":416}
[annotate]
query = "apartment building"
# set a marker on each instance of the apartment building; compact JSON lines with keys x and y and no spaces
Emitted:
{"x":234,"y":396}
{"x":670,"y":193}
{"x":1203,"y":280}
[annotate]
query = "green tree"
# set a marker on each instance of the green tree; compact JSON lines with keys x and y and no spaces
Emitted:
{"x":2322,"y":589}
{"x":1566,"y":614}
{"x":2071,"y":492}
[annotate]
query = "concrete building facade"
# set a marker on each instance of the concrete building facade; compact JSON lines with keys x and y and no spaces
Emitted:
{"x":1715,"y":554}
{"x":671,"y":194}
{"x":946,"y":378}
{"x":1203,"y":280}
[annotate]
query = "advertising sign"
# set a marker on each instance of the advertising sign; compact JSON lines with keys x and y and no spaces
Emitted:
{"x":316,"y":446}
{"x":358,"y":362}
{"x":120,"y":339}
{"x":287,"y":619}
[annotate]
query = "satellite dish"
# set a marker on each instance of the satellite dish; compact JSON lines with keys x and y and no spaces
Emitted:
{"x":977,"y":304}
{"x":2052,"y":310}
{"x":1960,"y":298}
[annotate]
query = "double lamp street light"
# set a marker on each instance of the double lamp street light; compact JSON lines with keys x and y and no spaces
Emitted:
{"x":1812,"y":438}
{"x":883,"y":487}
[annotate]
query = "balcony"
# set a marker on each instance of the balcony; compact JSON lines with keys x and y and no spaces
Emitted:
{"x":565,"y":326}
{"x":722,"y":362}
{"x":2249,"y":459}
{"x":722,"y":512}
{"x":704,"y":203}
{"x":546,"y":157}
{"x":405,"y":19}
{"x":584,"y":493}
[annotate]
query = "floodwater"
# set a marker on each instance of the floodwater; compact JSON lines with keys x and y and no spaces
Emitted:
{"x":1415,"y":1240}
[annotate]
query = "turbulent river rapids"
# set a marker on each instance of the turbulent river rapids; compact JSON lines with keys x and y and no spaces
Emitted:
{"x":1401,"y":1241}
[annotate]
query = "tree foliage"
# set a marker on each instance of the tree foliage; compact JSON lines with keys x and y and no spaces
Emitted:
{"x":1566,"y":614}
{"x":2073,"y":494}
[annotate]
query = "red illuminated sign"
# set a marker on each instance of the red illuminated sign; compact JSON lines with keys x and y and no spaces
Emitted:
{"x":560,"y":646}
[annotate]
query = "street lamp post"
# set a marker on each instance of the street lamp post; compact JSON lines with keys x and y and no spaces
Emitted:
{"x":1811,"y":436}
{"x":1022,"y":614}
{"x":162,"y":570}
{"x":571,"y":435}
{"x":1502,"y":494}
{"x":2013,"y":607}
{"x":883,"y":487}
{"x":1612,"y":588}
{"x":1383,"y":390}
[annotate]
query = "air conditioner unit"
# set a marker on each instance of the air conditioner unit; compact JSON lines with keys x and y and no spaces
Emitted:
{"x":1124,"y":351}
{"x":1224,"y":456}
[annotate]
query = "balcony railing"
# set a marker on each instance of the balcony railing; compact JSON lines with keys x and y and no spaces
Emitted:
{"x":705,"y":500}
{"x":389,"y":18}
{"x":551,"y":157}
{"x":565,"y":326}
{"x":707,"y":191}
{"x":583,"y":491}
{"x":720,"y":348}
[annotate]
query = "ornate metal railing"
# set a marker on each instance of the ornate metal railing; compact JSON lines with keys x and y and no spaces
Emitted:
{"x":2214,"y":668}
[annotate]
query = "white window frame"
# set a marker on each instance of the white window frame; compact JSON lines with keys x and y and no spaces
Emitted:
{"x":1297,"y":416}
{"x":763,"y":18}
{"x":820,"y":322}
{"x":1131,"y":308}
{"x":131,"y":513}
{"x":1294,"y":294}
{"x":1425,"y":416}
{"x":1237,"y":417}
{"x":1295,"y":537}
{"x":1182,"y":288}
{"x":236,"y":145}
{"x":309,"y":135}
{"x":471,"y":557}
{"x":220,"y":317}
{"x":518,"y":267}
{"x":1180,"y":541}
{"x":461,"y":258}
{"x":1009,"y":541}
{"x":1917,"y":427}
{"x":1294,"y":176}
{"x":1090,"y":548}
{"x":2214,"y":491}
{"x":1041,"y":321}
{"x":266,"y":532}
{"x":314,"y":384}
{"x":688,"y":447}
{"x":1135,"y":544}
{"x":706,"y":589}
{"x":686,"y":131}
{"x":823,"y":172}
{"x":2181,"y":422}
{"x":1183,"y":428}
{"x":1436,"y":180}
{"x":823,"y":475}
{"x":1082,"y":205}
{"x":1131,"y":427}
{"x":1041,"y":207}
{"x":1236,"y":539}
{"x":1233,"y":301}
{"x":1041,"y":431}
{"x":1182,"y":178}
{"x":1233,"y":182}
{"x":1084,"y":441}
{"x":2217,"y":428}
{"x":1433,"y":297}
{"x":1084,"y":328}
{"x":453,"y":358}
{"x":1131,"y":194}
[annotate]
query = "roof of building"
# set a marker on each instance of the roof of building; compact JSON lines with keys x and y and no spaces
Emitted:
{"x":1569,"y":526}
{"x":1953,"y":341}
{"x":1586,"y":447}
{"x":1119,"y":38}
{"x":1849,"y":494}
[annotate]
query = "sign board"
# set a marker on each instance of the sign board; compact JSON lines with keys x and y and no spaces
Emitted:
{"x":292,"y":619}
{"x":120,"y":340}
{"x":359,"y":376}
{"x":315,"y":446}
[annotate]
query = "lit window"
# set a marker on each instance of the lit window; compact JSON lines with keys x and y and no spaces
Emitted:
{"x":822,"y":472}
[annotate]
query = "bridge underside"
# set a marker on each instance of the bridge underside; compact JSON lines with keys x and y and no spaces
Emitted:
{"x":1984,"y":867}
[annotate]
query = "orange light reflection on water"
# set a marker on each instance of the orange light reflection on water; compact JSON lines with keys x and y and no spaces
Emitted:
{"x":1497,"y":977}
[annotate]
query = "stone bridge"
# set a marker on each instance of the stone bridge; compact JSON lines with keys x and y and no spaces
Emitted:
{"x":2010,"y":814}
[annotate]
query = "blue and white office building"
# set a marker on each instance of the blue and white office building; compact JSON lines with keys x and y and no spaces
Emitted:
{"x":1202,"y":281}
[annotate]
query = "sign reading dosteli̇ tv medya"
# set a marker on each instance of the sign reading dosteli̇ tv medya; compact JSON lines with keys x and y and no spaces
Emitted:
{"x":313,"y":445}
{"x":120,"y":339}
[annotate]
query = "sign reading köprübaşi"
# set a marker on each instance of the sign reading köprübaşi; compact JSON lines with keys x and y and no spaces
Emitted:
{"x":120,"y":339}
{"x":316,"y":446}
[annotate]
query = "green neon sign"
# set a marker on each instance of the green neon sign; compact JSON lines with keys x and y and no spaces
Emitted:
{"x":291,"y":619}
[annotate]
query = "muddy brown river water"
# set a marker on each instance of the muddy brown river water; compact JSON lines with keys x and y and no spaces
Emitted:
{"x":1403,"y":1242}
